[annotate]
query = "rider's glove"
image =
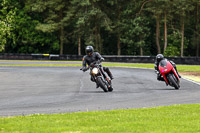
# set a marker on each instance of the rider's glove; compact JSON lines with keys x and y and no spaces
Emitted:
{"x":102,"y":59}
{"x":156,"y":71}
{"x":98,"y":62}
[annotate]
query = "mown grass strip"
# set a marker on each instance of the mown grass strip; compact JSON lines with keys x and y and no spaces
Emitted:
{"x":37,"y":61}
{"x":170,"y":119}
{"x":181,"y":68}
{"x":188,"y":68}
{"x":130,"y":65}
{"x":40,"y":65}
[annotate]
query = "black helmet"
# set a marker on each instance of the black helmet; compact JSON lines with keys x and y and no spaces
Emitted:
{"x":89,"y":50}
{"x":159,"y":57}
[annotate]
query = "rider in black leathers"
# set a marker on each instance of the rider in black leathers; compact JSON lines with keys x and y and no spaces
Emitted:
{"x":160,"y":57}
{"x":92,"y":57}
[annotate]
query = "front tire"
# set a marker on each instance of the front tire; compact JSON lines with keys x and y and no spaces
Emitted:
{"x":102,"y":84}
{"x":173,"y":81}
{"x":110,"y":89}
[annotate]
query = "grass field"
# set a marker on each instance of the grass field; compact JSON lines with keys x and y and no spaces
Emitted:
{"x":181,"y":68}
{"x":170,"y":119}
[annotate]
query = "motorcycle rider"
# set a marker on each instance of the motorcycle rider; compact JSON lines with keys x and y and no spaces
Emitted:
{"x":160,"y":57}
{"x":91,"y":57}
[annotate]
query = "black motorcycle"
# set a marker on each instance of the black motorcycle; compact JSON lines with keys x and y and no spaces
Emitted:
{"x":99,"y":76}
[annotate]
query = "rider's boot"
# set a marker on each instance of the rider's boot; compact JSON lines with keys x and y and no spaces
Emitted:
{"x":97,"y":86}
{"x":106,"y":69}
{"x":111,"y":76}
{"x":159,"y":78}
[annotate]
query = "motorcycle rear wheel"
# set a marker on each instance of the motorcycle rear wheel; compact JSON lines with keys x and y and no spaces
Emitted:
{"x":102,"y":84}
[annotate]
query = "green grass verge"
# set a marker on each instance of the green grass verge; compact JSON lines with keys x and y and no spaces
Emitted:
{"x":188,"y":68}
{"x":139,"y":65}
{"x":40,"y":65}
{"x":181,"y":68}
{"x":170,"y":119}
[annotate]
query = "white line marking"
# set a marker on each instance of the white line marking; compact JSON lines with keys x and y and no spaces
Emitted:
{"x":192,"y":81}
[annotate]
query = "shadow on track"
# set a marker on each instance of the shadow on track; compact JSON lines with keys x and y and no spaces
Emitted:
{"x":172,"y":89}
{"x":93,"y":92}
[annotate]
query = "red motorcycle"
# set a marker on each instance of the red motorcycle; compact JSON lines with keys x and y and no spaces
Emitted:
{"x":169,"y":74}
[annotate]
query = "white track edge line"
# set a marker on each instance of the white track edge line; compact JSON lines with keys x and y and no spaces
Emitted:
{"x":192,"y":81}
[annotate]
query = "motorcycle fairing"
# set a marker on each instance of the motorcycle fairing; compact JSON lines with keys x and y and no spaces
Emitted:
{"x":166,"y":67}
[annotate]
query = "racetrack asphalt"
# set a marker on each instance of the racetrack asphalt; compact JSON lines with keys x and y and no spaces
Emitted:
{"x":47,"y":90}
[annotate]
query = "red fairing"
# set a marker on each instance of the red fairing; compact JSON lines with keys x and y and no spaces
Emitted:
{"x":167,"y":69}
{"x":175,"y":73}
{"x":169,"y":73}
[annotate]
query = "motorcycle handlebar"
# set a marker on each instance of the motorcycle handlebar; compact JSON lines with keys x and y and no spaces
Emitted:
{"x":93,"y":63}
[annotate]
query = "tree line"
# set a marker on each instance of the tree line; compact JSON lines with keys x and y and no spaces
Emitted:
{"x":113,"y":27}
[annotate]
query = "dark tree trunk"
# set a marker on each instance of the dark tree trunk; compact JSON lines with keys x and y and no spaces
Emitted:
{"x":61,"y":39}
{"x":61,"y":34}
{"x":141,"y":51}
{"x":196,"y":30}
{"x":158,"y":33}
{"x":182,"y":37}
{"x":165,"y":24}
{"x":118,"y":46}
{"x":96,"y":39}
{"x":79,"y":45}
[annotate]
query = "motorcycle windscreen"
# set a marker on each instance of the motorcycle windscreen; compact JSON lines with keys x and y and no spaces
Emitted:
{"x":163,"y":63}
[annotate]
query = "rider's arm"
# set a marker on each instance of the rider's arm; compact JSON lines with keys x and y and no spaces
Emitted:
{"x":84,"y":63}
{"x":99,"y":57}
{"x":173,"y":64}
{"x":156,"y":67}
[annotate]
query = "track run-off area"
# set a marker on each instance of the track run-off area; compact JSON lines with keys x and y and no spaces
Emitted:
{"x":28,"y":90}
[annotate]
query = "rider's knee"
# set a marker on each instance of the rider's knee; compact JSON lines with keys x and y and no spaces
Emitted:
{"x":106,"y":69}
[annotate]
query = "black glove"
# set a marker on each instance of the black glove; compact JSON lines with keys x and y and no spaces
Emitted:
{"x":102,"y":59}
{"x":157,"y":72}
{"x":98,"y":62}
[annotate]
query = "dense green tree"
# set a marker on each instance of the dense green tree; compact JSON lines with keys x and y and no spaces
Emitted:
{"x":182,"y":8}
{"x":113,"y":27}
{"x":116,"y":11}
{"x":22,"y":36}
{"x":153,"y":6}
{"x":7,"y":14}
{"x":196,"y":36}
{"x":56,"y":17}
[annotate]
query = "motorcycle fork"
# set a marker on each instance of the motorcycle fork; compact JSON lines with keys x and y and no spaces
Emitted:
{"x":98,"y":74}
{"x":105,"y":78}
{"x":175,"y":73}
{"x":165,"y":78}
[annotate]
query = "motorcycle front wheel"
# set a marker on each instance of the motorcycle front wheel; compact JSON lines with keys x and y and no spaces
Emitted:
{"x":102,"y":84}
{"x":173,"y":81}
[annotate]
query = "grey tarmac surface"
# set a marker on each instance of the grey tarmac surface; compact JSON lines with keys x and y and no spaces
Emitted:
{"x":47,"y":90}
